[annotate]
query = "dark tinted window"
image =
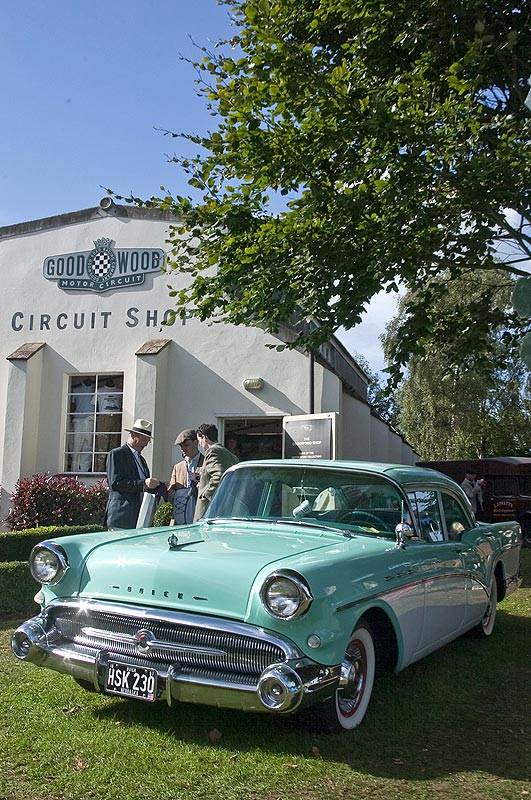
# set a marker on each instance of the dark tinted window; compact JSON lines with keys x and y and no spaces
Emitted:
{"x":502,"y":485}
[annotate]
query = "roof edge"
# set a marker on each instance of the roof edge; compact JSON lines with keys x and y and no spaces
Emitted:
{"x":104,"y":209}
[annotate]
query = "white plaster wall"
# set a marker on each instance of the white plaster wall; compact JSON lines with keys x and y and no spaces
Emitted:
{"x":328,"y":390}
{"x":408,"y":455}
{"x":355,"y":429}
{"x":394,"y":447}
{"x":17,"y":389}
{"x":379,"y":440}
{"x":196,"y":378}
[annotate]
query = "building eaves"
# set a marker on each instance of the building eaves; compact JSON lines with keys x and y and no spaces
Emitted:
{"x":104,"y":209}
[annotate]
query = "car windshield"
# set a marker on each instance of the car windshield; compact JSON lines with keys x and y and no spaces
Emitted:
{"x":345,"y":500}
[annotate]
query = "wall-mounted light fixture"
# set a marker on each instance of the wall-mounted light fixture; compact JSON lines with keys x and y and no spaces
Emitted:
{"x":252,"y":384}
{"x":108,"y":205}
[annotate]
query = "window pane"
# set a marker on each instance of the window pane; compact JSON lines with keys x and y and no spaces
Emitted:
{"x":99,"y":462}
{"x":426,"y":510}
{"x":109,"y":393}
{"x":94,"y":421}
{"x":107,"y":441}
{"x":108,"y":423}
{"x":456,"y":518}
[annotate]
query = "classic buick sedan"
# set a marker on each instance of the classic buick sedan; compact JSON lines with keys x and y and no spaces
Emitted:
{"x":303,"y":580}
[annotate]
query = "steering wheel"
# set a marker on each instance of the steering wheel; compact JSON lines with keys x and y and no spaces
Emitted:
{"x":362,"y":516}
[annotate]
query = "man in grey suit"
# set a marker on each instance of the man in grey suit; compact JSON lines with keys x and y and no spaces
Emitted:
{"x":128,"y":477}
{"x":217,"y":460}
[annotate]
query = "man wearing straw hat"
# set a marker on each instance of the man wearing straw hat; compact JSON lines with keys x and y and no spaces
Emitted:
{"x":128,"y":477}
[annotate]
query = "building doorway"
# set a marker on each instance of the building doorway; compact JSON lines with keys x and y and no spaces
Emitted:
{"x":253,"y":437}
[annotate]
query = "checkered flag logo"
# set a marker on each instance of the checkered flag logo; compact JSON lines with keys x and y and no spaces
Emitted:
{"x":101,"y":261}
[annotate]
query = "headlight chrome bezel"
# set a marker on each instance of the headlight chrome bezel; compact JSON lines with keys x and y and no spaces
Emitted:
{"x":57,"y":553}
{"x":305,"y":597}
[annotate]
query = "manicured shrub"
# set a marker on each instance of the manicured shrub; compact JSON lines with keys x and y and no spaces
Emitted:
{"x":163,"y":514}
{"x":17,"y":589}
{"x":46,"y":499}
{"x":17,"y":545}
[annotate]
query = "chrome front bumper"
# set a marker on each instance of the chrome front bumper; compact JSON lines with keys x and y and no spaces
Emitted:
{"x":185,"y":671}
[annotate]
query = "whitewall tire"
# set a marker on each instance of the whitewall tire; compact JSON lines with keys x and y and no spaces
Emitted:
{"x":346,"y":709}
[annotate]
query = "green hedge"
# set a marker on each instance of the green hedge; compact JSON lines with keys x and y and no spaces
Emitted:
{"x":17,"y":545}
{"x":17,"y":589}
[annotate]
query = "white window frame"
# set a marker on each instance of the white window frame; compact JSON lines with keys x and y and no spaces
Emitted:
{"x":94,"y":412}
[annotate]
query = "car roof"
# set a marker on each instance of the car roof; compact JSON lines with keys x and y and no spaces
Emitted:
{"x":401,"y":473}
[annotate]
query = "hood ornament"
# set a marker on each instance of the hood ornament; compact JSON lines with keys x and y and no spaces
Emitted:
{"x":186,"y":539}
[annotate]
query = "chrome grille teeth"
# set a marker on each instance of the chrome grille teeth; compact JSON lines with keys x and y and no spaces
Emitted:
{"x":244,"y":657}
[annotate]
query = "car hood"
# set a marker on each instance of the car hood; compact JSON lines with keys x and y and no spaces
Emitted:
{"x":211,"y":569}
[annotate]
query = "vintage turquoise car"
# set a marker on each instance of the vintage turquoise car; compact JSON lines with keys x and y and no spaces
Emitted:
{"x":304,"y":579}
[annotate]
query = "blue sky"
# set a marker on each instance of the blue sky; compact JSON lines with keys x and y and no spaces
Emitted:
{"x":87,"y":88}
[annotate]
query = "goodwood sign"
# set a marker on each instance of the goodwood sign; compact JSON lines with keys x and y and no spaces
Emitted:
{"x":103,"y":268}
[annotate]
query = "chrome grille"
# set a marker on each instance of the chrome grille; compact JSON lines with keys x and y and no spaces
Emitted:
{"x":191,"y":647}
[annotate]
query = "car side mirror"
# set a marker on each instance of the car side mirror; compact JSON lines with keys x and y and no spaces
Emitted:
{"x":403,"y":531}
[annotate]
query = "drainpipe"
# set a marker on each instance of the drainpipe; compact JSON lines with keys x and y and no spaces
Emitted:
{"x":311,"y":382}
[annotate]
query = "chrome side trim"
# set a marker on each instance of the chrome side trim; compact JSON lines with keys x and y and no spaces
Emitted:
{"x":411,"y":584}
{"x":378,"y":595}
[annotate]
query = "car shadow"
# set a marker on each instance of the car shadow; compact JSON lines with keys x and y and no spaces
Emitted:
{"x":457,"y":710}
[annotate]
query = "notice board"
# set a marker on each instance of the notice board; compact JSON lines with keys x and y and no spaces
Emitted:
{"x":310,"y":436}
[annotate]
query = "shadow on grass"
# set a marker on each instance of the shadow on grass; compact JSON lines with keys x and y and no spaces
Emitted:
{"x":463,"y":708}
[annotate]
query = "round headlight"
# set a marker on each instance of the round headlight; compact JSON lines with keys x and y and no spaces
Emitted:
{"x":48,"y":563}
{"x":285,"y":595}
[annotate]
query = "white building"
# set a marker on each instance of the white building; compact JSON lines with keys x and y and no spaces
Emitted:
{"x":85,"y":352}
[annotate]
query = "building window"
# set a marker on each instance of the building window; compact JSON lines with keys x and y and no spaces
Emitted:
{"x":94,"y":422}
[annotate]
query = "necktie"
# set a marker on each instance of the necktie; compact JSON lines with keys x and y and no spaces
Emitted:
{"x":141,"y":468}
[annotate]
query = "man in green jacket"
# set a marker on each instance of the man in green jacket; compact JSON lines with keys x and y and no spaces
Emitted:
{"x":217,"y":460}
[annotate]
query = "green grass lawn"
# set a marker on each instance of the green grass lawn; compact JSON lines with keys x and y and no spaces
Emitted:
{"x":453,"y":726}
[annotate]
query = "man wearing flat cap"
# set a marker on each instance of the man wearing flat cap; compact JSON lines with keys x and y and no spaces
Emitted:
{"x":182,"y":489}
{"x":128,"y":477}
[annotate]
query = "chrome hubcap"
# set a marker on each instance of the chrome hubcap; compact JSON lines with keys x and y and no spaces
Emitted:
{"x":353,"y":675}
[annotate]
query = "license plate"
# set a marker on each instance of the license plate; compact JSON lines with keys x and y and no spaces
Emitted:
{"x":129,"y":681}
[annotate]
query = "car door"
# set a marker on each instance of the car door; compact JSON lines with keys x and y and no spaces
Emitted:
{"x":475,"y":557}
{"x":443,"y":573}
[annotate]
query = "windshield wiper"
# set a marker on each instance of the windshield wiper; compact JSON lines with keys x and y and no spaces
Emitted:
{"x":316,"y":525}
{"x":297,"y":523}
{"x":210,"y":520}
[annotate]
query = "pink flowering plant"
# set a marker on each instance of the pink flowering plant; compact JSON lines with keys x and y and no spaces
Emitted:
{"x":46,"y":499}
